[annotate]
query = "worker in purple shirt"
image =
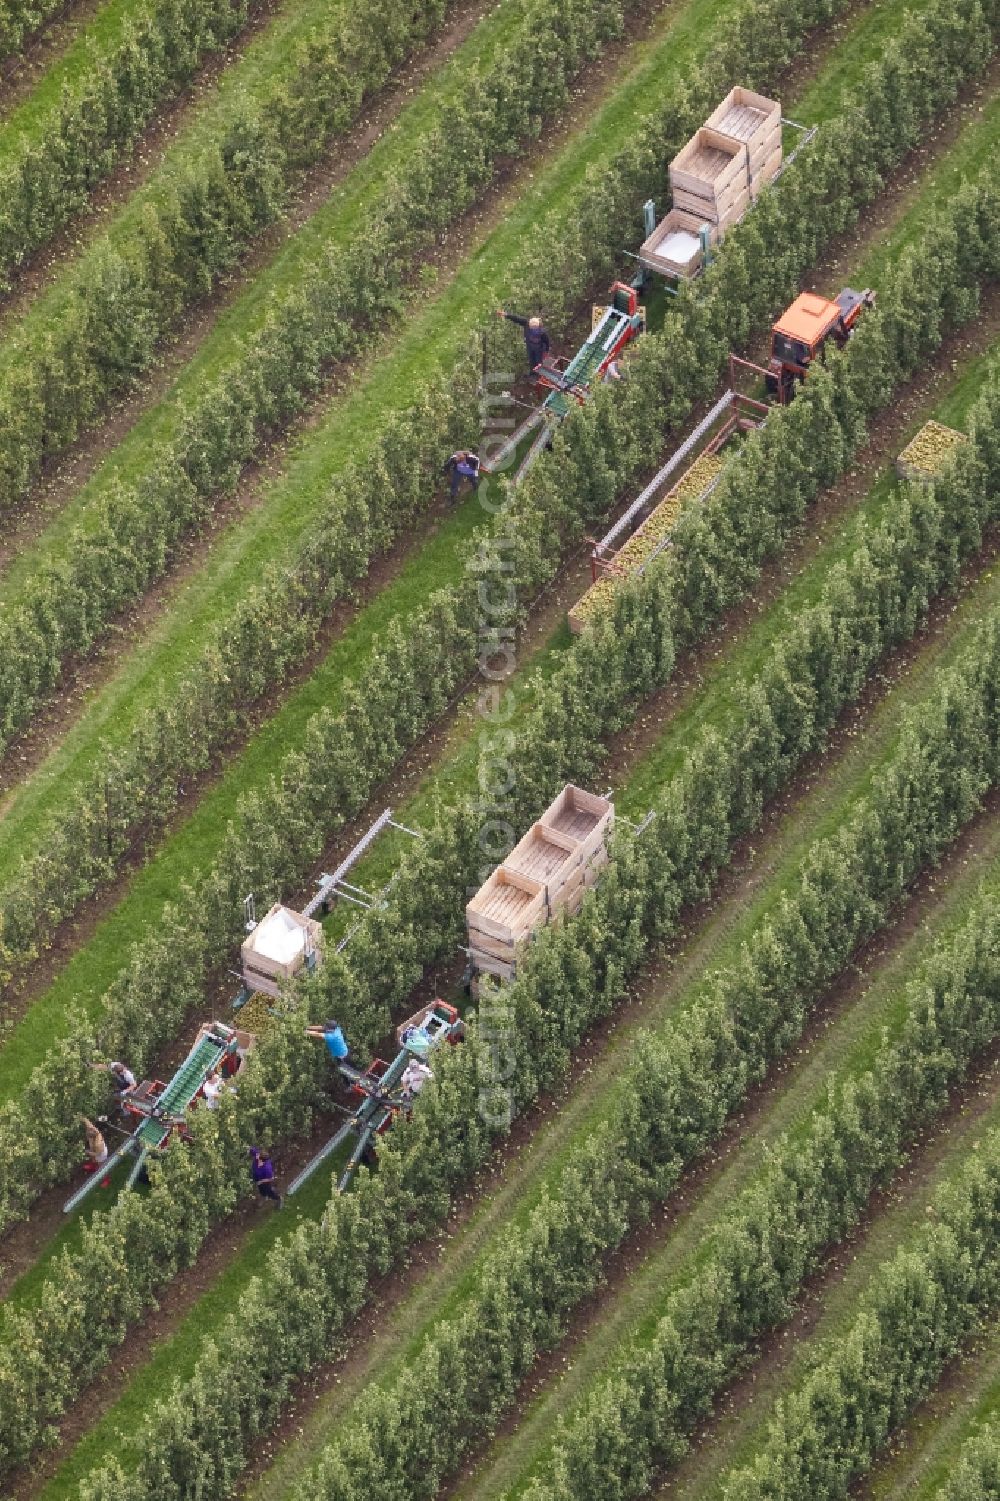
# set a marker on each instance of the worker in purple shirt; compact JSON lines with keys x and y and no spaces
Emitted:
{"x":463,"y":464}
{"x":536,"y":341}
{"x":262,"y":1169}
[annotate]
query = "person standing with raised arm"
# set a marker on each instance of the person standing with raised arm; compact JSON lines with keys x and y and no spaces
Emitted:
{"x":536,"y":340}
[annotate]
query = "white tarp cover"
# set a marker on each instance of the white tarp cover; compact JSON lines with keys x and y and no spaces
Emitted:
{"x":679,"y":246}
{"x":279,"y":937}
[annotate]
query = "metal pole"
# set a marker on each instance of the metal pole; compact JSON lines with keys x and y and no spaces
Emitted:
{"x":355,"y":1158}
{"x":322,"y":1155}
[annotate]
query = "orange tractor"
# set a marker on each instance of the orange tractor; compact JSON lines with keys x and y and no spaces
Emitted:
{"x":801,"y":333}
{"x":800,"y":336}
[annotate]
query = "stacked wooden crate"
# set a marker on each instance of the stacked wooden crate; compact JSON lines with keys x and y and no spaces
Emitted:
{"x":546,"y":873}
{"x":756,"y":122}
{"x":715,"y":178}
{"x":708,"y":178}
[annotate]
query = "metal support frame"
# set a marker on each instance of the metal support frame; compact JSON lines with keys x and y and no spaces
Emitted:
{"x":513,"y":442}
{"x":741,"y":413}
{"x":541,"y":441}
{"x":808,"y":131}
{"x":664,"y":473}
{"x":153,"y":1109}
{"x":335,"y":886}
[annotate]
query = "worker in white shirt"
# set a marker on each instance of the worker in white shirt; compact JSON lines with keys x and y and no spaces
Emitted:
{"x":212,"y":1089}
{"x":415,"y":1076}
{"x":121,"y":1076}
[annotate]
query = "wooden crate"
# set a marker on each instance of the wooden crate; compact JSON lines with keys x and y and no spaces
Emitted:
{"x":731,"y":211}
{"x":496,"y":948}
{"x":582,"y":815}
{"x":547,"y":872}
{"x":593,"y":872}
{"x":759,"y":157}
{"x":708,"y":166}
{"x":484,"y":964}
{"x":674,"y":247}
{"x":506,"y":907}
{"x":548,"y":856}
{"x":768,"y":172}
{"x":574,"y":903}
{"x":719,"y":213}
{"x":747,"y":117}
{"x":276,"y":949}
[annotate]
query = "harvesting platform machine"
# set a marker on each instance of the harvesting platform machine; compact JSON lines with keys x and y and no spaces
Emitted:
{"x":569,"y":381}
{"x":284,"y":944}
{"x":379,"y":1091}
{"x":156,"y":1110}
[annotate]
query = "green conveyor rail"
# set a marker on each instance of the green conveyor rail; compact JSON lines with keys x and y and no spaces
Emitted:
{"x":587,"y":361}
{"x":182,"y":1088}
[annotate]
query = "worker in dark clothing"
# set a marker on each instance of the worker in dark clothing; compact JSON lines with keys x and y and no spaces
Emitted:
{"x":536,"y":341}
{"x":121,"y":1076}
{"x":462,"y":465}
{"x":262,"y":1169}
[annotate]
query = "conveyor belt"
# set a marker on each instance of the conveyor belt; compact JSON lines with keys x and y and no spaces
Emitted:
{"x":588,"y":359}
{"x":182,"y":1089}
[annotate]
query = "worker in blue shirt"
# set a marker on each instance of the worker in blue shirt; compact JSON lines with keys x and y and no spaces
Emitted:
{"x":536,"y":341}
{"x":334,"y":1038}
